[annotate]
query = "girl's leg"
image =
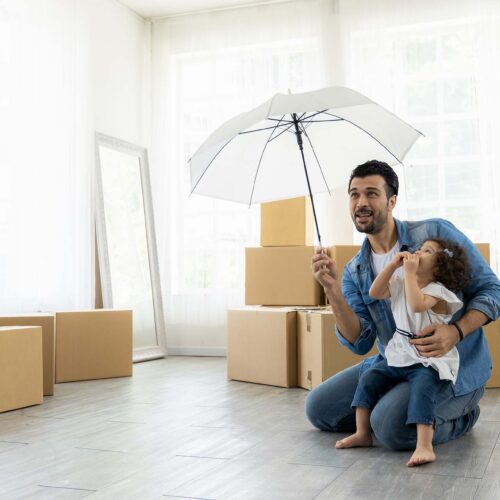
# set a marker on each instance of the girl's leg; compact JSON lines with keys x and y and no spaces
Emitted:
{"x":424,"y":453}
{"x":363,"y":434}
{"x":372,"y":384}
{"x":424,"y":384}
{"x":455,"y":416}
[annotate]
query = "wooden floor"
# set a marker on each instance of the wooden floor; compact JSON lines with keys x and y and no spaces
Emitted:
{"x":179,"y":429}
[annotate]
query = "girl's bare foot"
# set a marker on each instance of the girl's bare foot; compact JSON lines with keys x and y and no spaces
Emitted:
{"x":421,"y":456}
{"x":355,"y":440}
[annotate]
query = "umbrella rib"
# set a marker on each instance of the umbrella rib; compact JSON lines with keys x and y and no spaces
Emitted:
{"x":211,"y":161}
{"x":312,"y":116}
{"x":279,"y":120}
{"x":264,"y":128}
{"x":315,"y":156}
{"x":321,"y":121}
{"x":260,"y":161}
{"x":282,"y":132}
{"x":368,"y":133}
{"x":308,"y":120}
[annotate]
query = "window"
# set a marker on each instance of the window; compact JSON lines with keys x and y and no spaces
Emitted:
{"x":428,"y":75}
{"x":211,"y":87}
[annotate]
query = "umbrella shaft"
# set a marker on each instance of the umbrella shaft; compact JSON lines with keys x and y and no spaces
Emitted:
{"x":298,"y":134}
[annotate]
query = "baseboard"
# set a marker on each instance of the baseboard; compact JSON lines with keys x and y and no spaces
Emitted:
{"x":197,"y":351}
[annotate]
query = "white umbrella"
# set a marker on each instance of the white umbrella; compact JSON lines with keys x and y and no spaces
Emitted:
{"x":297,"y":144}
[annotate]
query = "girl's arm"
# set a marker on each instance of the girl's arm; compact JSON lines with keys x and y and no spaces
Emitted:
{"x":417,"y":300}
{"x":380,"y":286}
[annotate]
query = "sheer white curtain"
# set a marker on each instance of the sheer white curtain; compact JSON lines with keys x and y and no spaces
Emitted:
{"x":207,"y":68}
{"x":436,"y":65}
{"x":432,"y":63}
{"x":45,"y":238}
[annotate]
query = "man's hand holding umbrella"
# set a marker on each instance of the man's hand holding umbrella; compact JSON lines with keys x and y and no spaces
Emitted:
{"x":325,"y":272}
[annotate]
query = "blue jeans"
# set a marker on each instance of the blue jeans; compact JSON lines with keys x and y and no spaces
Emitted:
{"x":328,"y":408}
{"x":424,"y":385}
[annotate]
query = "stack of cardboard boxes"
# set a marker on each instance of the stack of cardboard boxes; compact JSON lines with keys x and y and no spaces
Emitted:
{"x":38,"y":350}
{"x":285,"y":335}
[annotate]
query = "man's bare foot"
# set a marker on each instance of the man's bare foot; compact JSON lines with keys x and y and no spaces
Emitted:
{"x":421,"y":456}
{"x":355,"y":441}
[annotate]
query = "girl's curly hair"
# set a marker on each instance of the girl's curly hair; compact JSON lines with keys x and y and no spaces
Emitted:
{"x":452,"y":265}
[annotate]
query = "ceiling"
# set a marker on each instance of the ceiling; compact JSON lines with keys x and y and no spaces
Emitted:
{"x":158,"y":8}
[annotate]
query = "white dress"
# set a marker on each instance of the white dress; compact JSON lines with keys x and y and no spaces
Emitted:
{"x":399,"y":351}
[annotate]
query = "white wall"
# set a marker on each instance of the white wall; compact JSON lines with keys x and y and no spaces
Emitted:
{"x":67,"y":68}
{"x":119,"y":50}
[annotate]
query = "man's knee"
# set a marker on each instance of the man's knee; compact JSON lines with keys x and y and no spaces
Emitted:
{"x":328,"y":406}
{"x":388,"y":420}
{"x":391,"y":430}
{"x":314,"y":409}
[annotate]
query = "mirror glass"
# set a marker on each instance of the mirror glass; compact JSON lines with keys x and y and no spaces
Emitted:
{"x":126,"y":243}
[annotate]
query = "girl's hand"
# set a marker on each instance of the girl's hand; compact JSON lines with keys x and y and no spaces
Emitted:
{"x":410,"y":263}
{"x":397,"y":260}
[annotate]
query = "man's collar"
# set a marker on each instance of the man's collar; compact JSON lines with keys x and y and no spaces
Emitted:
{"x":403,"y":234}
{"x":403,"y":238}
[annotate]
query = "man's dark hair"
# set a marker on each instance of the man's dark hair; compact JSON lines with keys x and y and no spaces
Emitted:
{"x":452,"y":265}
{"x":375,"y":167}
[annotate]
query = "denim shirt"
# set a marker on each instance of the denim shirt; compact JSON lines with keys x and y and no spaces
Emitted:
{"x":376,"y":320}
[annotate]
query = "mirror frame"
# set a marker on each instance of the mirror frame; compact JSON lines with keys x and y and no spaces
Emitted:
{"x":142,"y":353}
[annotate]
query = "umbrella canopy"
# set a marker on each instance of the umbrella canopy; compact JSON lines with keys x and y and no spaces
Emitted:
{"x":254,"y":158}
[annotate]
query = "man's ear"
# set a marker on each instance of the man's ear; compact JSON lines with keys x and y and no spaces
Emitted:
{"x":392,"y":202}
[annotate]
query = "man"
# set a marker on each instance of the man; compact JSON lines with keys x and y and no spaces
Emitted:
{"x":362,"y":320}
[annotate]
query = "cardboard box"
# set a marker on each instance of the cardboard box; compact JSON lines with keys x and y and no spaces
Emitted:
{"x":93,"y":345}
{"x":287,"y":223}
{"x":319,"y":353}
{"x":484,"y":250}
{"x":281,"y":276}
{"x":342,"y":254}
{"x":492,"y":332}
{"x":46,"y":321}
{"x":21,"y":371}
{"x":262,"y":346}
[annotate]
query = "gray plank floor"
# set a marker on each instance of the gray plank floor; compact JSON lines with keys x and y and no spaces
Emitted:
{"x":179,"y":429}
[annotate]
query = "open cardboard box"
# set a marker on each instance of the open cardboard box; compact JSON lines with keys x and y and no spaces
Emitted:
{"x":320,"y":354}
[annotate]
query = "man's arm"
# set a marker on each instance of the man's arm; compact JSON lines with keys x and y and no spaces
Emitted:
{"x":325,"y":272}
{"x":483,"y":292}
{"x":353,"y":321}
{"x":347,"y":321}
{"x":445,"y":337}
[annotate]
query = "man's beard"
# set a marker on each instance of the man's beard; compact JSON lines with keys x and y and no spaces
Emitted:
{"x":378,"y":221}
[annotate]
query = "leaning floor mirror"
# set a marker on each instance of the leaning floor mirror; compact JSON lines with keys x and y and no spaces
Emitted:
{"x":126,"y":242}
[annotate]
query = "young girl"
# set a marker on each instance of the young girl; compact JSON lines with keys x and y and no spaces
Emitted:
{"x":426,"y":296}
